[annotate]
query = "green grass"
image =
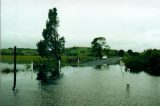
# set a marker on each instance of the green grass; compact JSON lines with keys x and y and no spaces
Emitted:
{"x":9,"y":58}
{"x":37,"y":59}
{"x":70,"y":55}
{"x":20,"y":51}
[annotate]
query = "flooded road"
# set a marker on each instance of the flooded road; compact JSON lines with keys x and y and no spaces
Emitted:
{"x":81,"y":86}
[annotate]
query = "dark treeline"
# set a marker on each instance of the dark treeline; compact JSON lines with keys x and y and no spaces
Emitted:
{"x":148,"y":61}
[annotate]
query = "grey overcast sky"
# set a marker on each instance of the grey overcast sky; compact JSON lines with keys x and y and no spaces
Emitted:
{"x":126,"y":24}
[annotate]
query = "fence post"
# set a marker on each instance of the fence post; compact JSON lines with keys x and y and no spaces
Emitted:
{"x":14,"y":83}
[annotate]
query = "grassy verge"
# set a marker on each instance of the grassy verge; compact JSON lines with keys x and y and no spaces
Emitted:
{"x":25,"y":59}
{"x":9,"y":58}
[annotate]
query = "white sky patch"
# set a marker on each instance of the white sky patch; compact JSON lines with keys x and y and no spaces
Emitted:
{"x":126,"y":24}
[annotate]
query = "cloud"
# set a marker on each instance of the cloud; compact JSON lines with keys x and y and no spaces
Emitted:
{"x":19,"y":39}
{"x":125,"y":23}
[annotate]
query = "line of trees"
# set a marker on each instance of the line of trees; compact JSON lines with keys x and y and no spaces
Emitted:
{"x":148,"y":61}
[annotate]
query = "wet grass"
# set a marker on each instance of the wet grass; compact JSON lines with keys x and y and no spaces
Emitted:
{"x":9,"y":58}
{"x":28,"y":59}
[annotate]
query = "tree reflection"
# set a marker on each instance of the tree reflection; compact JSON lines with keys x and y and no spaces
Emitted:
{"x":133,"y":71}
{"x":48,"y":74}
{"x":102,"y":67}
{"x":151,"y":72}
{"x":127,"y":91}
{"x":98,"y":67}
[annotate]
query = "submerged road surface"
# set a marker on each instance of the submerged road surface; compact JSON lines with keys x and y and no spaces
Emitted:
{"x":114,"y":60}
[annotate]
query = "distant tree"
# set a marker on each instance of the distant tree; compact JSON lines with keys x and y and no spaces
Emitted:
{"x":98,"y":45}
{"x":111,"y":53}
{"x":136,"y":53}
{"x":52,"y":45}
{"x":130,"y":52}
{"x":121,"y":53}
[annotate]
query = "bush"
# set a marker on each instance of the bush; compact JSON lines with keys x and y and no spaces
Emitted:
{"x":149,"y":61}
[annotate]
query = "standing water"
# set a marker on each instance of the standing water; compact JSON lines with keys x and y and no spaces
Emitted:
{"x":80,"y":86}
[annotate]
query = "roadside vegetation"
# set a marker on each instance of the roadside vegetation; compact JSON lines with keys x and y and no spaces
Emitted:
{"x":148,"y":61}
{"x":70,"y":55}
{"x":20,"y":58}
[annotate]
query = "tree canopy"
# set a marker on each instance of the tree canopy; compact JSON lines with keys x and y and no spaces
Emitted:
{"x":130,"y":52}
{"x":98,"y":45}
{"x":121,"y":53}
{"x":52,"y":45}
{"x":148,"y":61}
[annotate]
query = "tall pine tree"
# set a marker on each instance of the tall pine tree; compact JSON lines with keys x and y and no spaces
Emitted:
{"x":52,"y":45}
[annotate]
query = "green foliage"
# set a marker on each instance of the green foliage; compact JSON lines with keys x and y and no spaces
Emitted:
{"x":72,"y":54}
{"x":121,"y":53}
{"x":110,"y":52}
{"x":6,"y":51}
{"x":42,"y":48}
{"x":78,"y":51}
{"x":149,"y":61}
{"x":98,"y":45}
{"x":20,"y":52}
{"x":52,"y":45}
{"x":21,"y":59}
{"x":130,"y":52}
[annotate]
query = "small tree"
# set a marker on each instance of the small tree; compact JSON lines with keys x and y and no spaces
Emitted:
{"x":130,"y":52}
{"x":52,"y":45}
{"x":121,"y":53}
{"x":98,"y":45}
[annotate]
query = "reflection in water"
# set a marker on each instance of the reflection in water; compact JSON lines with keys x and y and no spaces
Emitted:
{"x":48,"y":75}
{"x":101,"y":67}
{"x":137,"y":71}
{"x":133,"y":71}
{"x":29,"y":67}
{"x":0,"y":78}
{"x":86,"y":87}
{"x":98,"y":67}
{"x":15,"y":92}
{"x":127,"y":91}
{"x":122,"y":68}
{"x":153,"y":73}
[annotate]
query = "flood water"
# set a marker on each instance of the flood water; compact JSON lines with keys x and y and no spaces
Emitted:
{"x":80,"y":86}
